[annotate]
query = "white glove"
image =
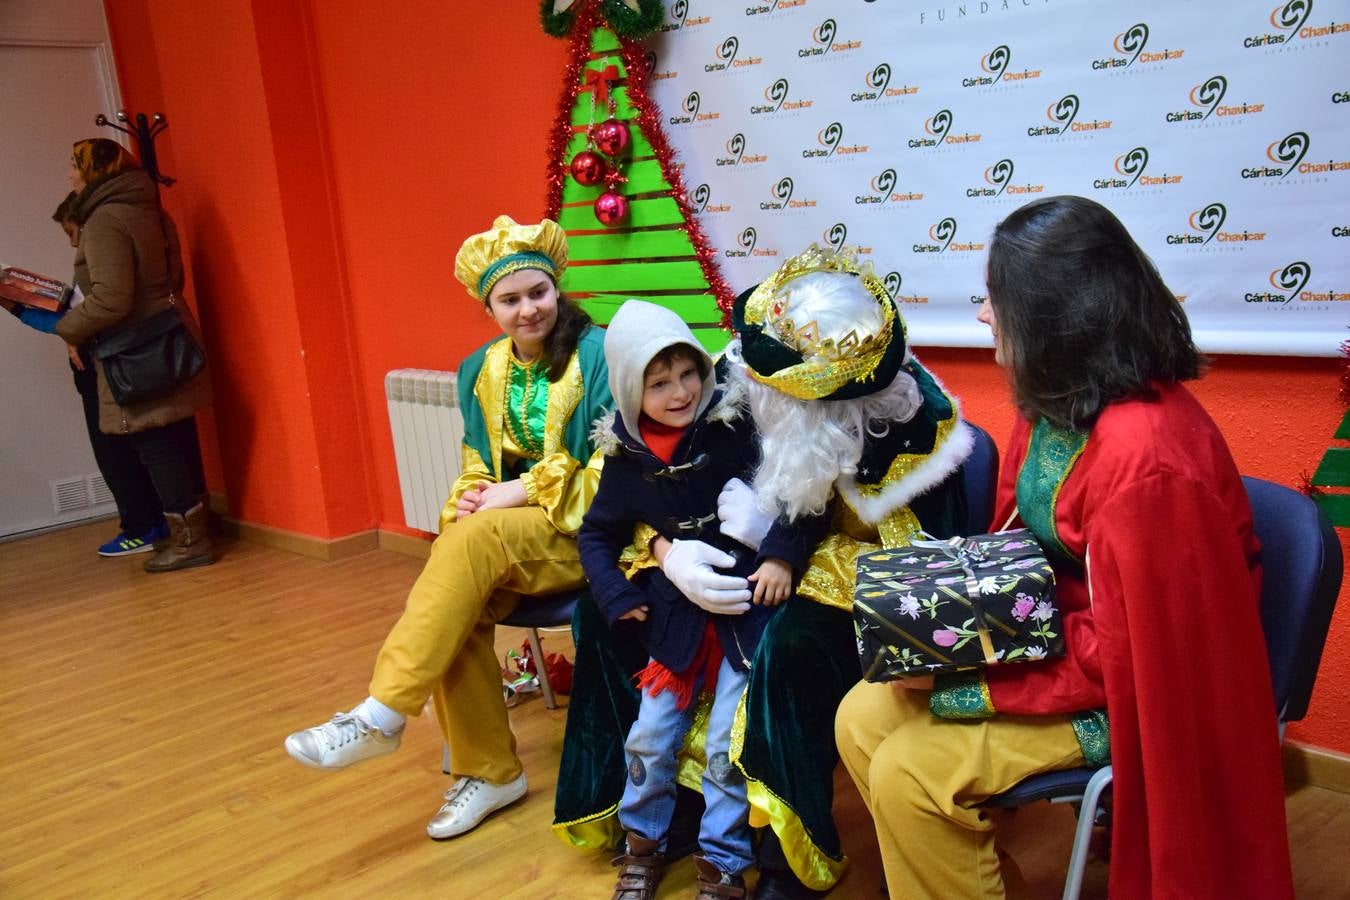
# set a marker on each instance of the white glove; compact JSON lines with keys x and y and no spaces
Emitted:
{"x":742,"y":519}
{"x":689,"y":566}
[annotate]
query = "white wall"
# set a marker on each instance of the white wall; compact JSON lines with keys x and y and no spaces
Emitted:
{"x":56,"y":74}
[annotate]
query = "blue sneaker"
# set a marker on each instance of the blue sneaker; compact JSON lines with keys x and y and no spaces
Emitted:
{"x":130,"y":546}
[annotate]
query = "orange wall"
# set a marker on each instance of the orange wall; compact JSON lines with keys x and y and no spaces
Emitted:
{"x":254,"y":203}
{"x":438,"y":122}
{"x":332,"y":157}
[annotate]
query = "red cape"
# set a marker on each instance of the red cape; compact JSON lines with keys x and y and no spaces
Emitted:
{"x":1164,"y":627}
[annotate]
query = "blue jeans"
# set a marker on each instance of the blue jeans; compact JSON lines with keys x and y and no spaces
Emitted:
{"x":653,"y":748}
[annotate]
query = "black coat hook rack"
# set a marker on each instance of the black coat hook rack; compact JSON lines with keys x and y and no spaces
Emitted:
{"x":145,"y":130}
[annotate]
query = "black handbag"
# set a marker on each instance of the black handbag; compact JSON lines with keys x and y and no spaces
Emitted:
{"x":148,"y":359}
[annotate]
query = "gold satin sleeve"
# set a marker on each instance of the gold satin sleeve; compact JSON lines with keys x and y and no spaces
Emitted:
{"x":563,"y":488}
{"x":638,"y":555}
{"x":833,"y":567}
{"x":472,"y":471}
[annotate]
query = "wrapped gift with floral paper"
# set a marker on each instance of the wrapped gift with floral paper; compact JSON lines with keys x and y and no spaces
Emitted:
{"x":955,"y":605}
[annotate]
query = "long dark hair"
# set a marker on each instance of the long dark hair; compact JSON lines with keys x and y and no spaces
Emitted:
{"x":561,"y":342}
{"x":1083,"y":316}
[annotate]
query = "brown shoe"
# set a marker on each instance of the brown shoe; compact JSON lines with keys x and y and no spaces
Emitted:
{"x":189,"y":544}
{"x":714,"y":884}
{"x":639,"y":869}
{"x":211,"y":522}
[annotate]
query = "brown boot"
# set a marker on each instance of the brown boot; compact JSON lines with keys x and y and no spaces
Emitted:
{"x":205,"y":500}
{"x":639,"y":869}
{"x":189,"y":544}
{"x":714,"y":884}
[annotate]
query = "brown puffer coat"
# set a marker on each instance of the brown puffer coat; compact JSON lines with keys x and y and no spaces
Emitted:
{"x":128,"y":266}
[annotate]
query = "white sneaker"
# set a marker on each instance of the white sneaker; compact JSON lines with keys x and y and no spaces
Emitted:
{"x":345,"y":739}
{"x":469,"y":802}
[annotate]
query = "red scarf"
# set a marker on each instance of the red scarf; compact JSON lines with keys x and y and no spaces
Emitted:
{"x":657,"y":678}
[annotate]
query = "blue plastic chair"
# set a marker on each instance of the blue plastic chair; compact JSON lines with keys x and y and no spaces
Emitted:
{"x":979,"y":474}
{"x":1301,"y":575}
{"x":533,"y":613}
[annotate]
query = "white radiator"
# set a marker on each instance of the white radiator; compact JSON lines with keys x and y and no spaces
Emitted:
{"x":425,"y":421}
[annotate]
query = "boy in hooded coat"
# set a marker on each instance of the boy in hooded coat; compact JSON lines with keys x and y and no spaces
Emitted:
{"x":676,"y":439}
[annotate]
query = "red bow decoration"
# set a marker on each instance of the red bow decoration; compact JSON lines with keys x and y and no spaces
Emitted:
{"x":597,"y":82}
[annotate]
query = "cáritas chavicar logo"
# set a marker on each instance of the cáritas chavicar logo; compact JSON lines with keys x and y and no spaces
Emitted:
{"x":1206,"y":225}
{"x":836,"y":235}
{"x":829,"y":141}
{"x":998,"y":179}
{"x":937,"y":130}
{"x":1129,"y":46}
{"x":1289,"y":23}
{"x":725,"y":56}
{"x":941,"y":239}
{"x":1207,"y":100}
{"x":1063,"y":118}
{"x":1288,"y":154}
{"x":823,"y":41}
{"x":736,"y":155}
{"x":1130,"y":167}
{"x":1284,"y":155}
{"x":700,"y":200}
{"x":747,"y":244}
{"x":882,"y":191}
{"x":776,"y":98}
{"x":995,"y":67}
{"x":680,"y":18}
{"x":781,"y":194}
{"x":1288,"y":283}
{"x":877,"y":83}
{"x":689,"y":109}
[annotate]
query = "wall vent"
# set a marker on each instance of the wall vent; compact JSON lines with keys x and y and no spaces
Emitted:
{"x":70,"y":494}
{"x":99,"y":493}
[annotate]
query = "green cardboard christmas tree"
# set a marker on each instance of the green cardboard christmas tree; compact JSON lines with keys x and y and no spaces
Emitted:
{"x":613,"y":183}
{"x":1330,"y":483}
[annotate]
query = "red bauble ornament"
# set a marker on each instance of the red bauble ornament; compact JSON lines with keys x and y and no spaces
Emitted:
{"x":611,"y":208}
{"x":588,"y":168}
{"x":611,"y":137}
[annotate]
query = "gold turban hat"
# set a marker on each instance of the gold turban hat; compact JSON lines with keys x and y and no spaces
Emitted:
{"x":506,"y":247}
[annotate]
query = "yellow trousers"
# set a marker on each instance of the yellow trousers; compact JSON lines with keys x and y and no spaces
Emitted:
{"x":442,"y":645}
{"x":924,"y":779}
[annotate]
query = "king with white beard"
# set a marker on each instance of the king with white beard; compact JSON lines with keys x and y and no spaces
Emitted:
{"x":850,"y":423}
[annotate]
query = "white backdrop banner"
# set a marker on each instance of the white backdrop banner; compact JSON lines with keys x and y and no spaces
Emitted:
{"x":1219,"y":132}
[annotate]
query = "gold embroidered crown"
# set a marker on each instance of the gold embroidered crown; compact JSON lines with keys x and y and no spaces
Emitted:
{"x":831,"y":362}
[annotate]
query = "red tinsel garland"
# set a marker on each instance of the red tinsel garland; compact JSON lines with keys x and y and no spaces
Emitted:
{"x":1345,"y":372}
{"x":578,"y":52}
{"x":648,"y":119}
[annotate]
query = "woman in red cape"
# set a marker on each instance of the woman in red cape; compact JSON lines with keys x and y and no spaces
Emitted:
{"x":1130,"y":489}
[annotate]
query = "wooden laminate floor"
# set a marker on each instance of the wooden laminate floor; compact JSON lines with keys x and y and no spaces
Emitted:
{"x":144,"y":717}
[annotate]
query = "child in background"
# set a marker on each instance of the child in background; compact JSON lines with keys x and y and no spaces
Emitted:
{"x":675,"y":440}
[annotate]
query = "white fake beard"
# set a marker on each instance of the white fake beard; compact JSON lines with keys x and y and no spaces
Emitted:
{"x":805,"y":445}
